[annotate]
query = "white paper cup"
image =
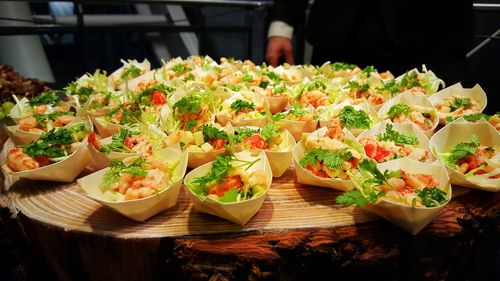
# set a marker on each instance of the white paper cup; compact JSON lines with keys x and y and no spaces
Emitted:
{"x":457,"y":132}
{"x":20,"y":137}
{"x":144,"y":66}
{"x":413,"y":99}
{"x":475,"y":93}
{"x":237,"y":212}
{"x":63,"y":171}
{"x":144,"y":208}
{"x":411,"y":219}
{"x":105,"y":128}
{"x":307,"y":177}
{"x":197,"y":159}
{"x":277,"y":103}
{"x":297,"y":128}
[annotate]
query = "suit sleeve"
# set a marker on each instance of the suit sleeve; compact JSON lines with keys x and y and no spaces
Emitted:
{"x":290,"y":11}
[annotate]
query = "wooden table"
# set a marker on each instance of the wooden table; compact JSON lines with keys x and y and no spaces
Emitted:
{"x":299,"y":234}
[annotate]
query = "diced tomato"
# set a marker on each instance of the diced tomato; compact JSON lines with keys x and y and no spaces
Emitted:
{"x":370,"y":150}
{"x":217,"y":144}
{"x":380,"y":154}
{"x":319,"y":173}
{"x":129,"y":142}
{"x":43,"y":160}
{"x":256,"y":141}
{"x":158,"y":98}
{"x":93,"y":141}
{"x":480,"y":172}
{"x":230,"y":182}
{"x":473,"y":162}
{"x":354,"y":162}
{"x":495,"y":176}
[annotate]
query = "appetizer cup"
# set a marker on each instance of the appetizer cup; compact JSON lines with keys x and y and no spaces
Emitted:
{"x":457,"y":132}
{"x":223,"y":117}
{"x":277,"y":103}
{"x":144,"y":208}
{"x":143,"y":66}
{"x":280,"y":159}
{"x":475,"y":93}
{"x":332,"y":111}
{"x":21,"y":137}
{"x":65,"y":170}
{"x":102,"y":159}
{"x":307,"y":177}
{"x":380,"y":128}
{"x":197,"y":159}
{"x":412,"y":99}
{"x":411,"y":219}
{"x":105,"y":128}
{"x":238,"y":212}
{"x":297,"y":128}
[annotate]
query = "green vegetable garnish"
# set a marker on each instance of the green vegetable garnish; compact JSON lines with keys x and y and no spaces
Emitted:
{"x":240,"y":105}
{"x":397,"y":137}
{"x":331,"y":159}
{"x":339,"y":66}
{"x":431,"y":197}
{"x":130,"y":72}
{"x":211,"y":133}
{"x":460,"y":102}
{"x":397,"y":109}
{"x":49,"y":97}
{"x":352,"y":118}
{"x":462,"y":150}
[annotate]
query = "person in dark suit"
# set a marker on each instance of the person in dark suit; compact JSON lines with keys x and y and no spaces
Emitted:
{"x":389,"y":34}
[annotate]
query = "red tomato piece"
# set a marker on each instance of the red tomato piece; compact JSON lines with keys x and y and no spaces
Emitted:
{"x":256,"y":141}
{"x":381,"y":154}
{"x":217,"y":144}
{"x":93,"y":141}
{"x":230,"y":182}
{"x":319,"y":173}
{"x":370,"y":150}
{"x":43,"y":160}
{"x":129,"y":142}
{"x":158,"y":98}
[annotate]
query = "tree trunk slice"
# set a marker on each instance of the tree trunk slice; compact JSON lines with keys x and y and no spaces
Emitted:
{"x":299,"y":234}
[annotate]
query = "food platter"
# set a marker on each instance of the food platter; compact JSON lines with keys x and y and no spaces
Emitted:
{"x":187,"y":99}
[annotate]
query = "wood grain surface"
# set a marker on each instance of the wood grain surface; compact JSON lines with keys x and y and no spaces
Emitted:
{"x":288,"y":205}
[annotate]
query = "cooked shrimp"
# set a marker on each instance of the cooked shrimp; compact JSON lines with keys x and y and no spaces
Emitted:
{"x":63,"y":120}
{"x":41,"y":109}
{"x":28,"y":123}
{"x":17,"y":160}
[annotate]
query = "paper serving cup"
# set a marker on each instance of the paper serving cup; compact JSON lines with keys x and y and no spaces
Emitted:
{"x":277,"y":104}
{"x":400,"y":127}
{"x":475,"y":93}
{"x":457,"y":132}
{"x":105,"y":128}
{"x":237,"y":212}
{"x":144,"y":66}
{"x":224,"y":118}
{"x":65,"y":170}
{"x":412,"y":99}
{"x":144,"y":208}
{"x":21,"y":137}
{"x":16,"y":113}
{"x":296,"y":128}
{"x":280,"y":160}
{"x":307,"y":177}
{"x":411,"y":219}
{"x":140,"y":83}
{"x":102,"y":159}
{"x":326,"y":116}
{"x":197,"y":159}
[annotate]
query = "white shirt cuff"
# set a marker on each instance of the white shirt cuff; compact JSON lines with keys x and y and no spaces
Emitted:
{"x":281,"y":29}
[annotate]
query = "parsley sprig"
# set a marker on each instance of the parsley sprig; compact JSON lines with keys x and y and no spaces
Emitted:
{"x":352,"y":118}
{"x":462,"y":150}
{"x":48,"y":97}
{"x":130,"y":72}
{"x":331,"y":159}
{"x":369,"y":191}
{"x":397,"y":137}
{"x":118,"y":142}
{"x":211,"y":133}
{"x":118,"y":168}
{"x":397,"y":109}
{"x":460,"y":102}
{"x":242,"y":105}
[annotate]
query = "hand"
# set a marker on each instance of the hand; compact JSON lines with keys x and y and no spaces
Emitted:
{"x":278,"y":47}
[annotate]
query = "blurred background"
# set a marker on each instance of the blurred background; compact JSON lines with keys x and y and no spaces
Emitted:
{"x":57,"y":41}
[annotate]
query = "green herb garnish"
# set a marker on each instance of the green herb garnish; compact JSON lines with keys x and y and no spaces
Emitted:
{"x":352,"y":118}
{"x":397,"y":137}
